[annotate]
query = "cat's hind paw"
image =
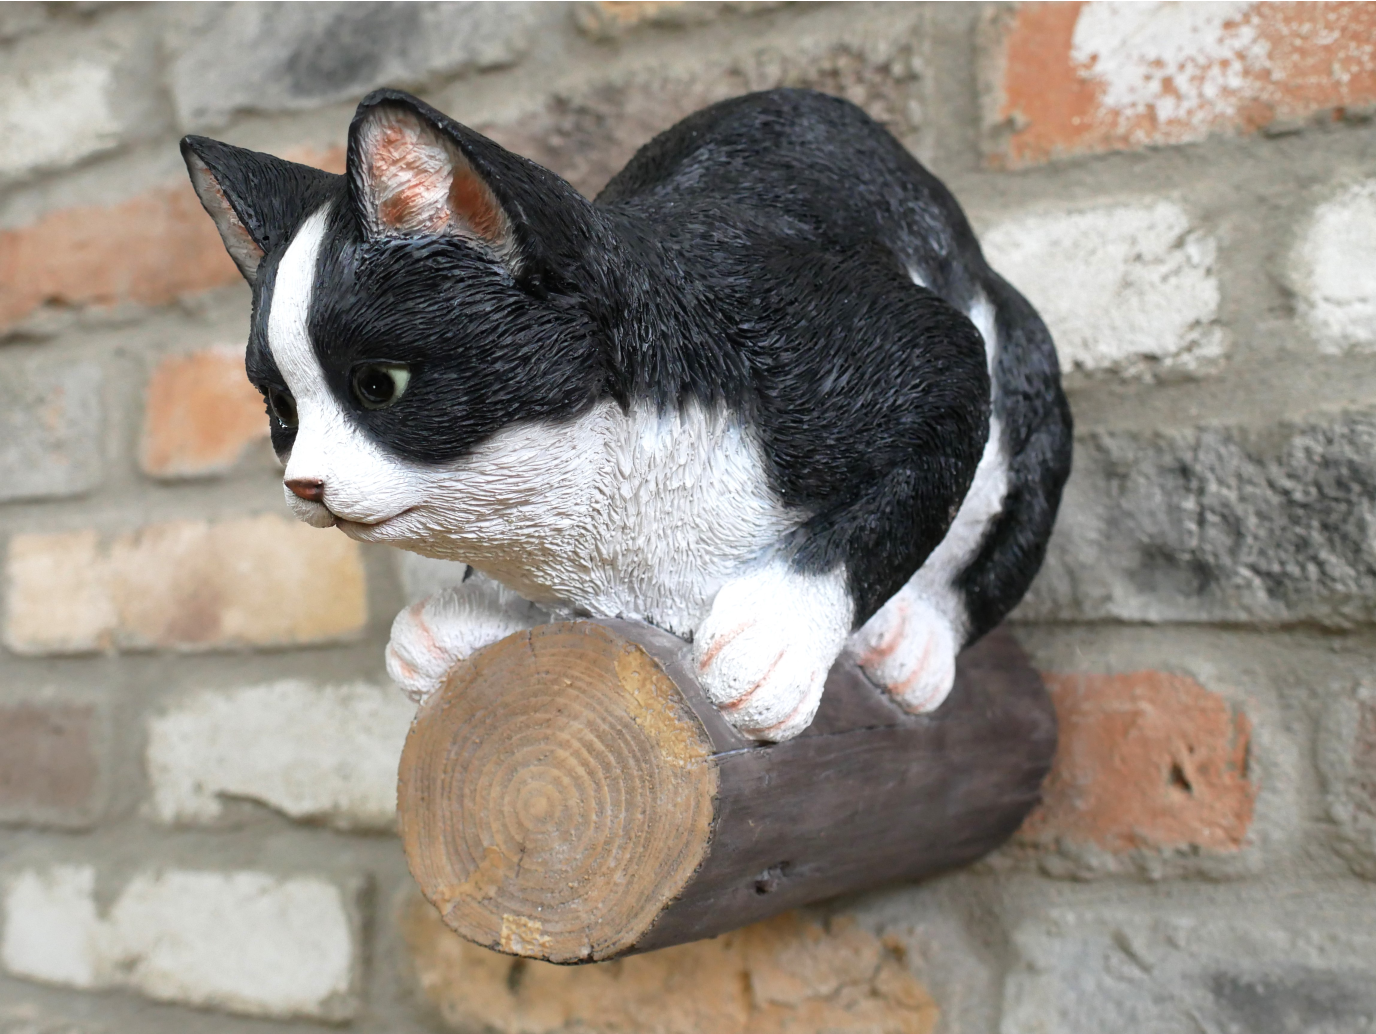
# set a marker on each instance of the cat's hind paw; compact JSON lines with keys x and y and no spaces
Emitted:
{"x":909,"y":648}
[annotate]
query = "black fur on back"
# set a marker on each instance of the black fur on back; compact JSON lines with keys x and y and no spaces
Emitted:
{"x":759,"y":255}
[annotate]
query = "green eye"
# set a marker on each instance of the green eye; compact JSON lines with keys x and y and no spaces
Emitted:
{"x":379,"y":385}
{"x":282,"y":406}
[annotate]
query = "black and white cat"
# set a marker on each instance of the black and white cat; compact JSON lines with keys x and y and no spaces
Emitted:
{"x":764,"y":392}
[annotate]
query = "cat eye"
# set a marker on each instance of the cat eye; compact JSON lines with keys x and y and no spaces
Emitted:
{"x":282,"y":406}
{"x":379,"y":385}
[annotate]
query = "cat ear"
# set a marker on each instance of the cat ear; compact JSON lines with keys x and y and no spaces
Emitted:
{"x":413,"y":172}
{"x":256,"y":200}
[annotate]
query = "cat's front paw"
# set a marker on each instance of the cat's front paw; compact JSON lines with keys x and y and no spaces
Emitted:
{"x":765,"y":648}
{"x":909,"y":648}
{"x":430,"y":637}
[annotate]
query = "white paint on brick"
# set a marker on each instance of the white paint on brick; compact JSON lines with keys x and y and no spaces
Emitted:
{"x":51,"y":930}
{"x":1333,"y":271}
{"x":315,"y":753}
{"x":1170,"y":62}
{"x":245,"y":942}
{"x":1129,"y":289}
{"x":53,"y":115}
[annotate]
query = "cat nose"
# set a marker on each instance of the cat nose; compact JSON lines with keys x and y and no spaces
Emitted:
{"x":310,"y":489}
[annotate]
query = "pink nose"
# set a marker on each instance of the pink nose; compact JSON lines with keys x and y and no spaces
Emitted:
{"x":310,"y":489}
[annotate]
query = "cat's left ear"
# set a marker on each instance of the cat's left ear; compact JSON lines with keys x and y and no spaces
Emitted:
{"x":414,"y":172}
{"x":256,"y":200}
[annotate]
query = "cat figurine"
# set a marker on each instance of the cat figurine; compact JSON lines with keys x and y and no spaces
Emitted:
{"x":764,"y":392}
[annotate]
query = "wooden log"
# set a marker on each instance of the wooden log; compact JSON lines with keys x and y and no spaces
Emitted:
{"x":571,"y":795}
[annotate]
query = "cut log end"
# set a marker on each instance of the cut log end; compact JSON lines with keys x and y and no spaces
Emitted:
{"x":548,"y":761}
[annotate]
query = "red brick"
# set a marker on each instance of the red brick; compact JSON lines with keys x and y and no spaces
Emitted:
{"x":201,"y":413}
{"x":1065,"y":79}
{"x":1145,"y":760}
{"x":786,"y":975}
{"x":147,"y":251}
{"x":49,"y":768}
{"x":183,"y":585}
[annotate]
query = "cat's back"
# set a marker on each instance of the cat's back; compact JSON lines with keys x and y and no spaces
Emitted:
{"x":803,"y":163}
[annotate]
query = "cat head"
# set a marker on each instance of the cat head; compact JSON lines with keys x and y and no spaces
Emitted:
{"x":406,"y":312}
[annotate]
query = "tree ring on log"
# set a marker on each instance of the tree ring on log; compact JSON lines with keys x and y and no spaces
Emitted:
{"x":577,"y":804}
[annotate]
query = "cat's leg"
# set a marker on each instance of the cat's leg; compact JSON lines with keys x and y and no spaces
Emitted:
{"x":909,"y":648}
{"x":766,"y":645}
{"x":431,"y":635}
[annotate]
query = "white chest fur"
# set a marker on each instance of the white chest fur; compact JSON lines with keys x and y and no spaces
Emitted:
{"x":634,"y":514}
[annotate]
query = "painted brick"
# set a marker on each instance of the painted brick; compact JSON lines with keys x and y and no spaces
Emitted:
{"x":1145,"y":760}
{"x":1333,"y":271}
{"x":200,"y":415}
{"x":21,"y":18}
{"x":51,"y":427}
{"x":1264,"y":966}
{"x":279,"y":57}
{"x":588,"y":136}
{"x":1219,"y":524}
{"x":1146,"y":292}
{"x":68,"y":97}
{"x":1067,"y":79}
{"x":245,"y":942}
{"x":315,"y":753}
{"x":613,"y":19}
{"x":147,"y":250}
{"x":1347,"y":759}
{"x":184,"y":585}
{"x":50,"y":765}
{"x":788,"y":974}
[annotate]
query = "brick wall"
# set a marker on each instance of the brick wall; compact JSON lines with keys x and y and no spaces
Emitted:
{"x":197,"y":741}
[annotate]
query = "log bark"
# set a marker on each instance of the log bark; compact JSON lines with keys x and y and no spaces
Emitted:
{"x":571,"y":794}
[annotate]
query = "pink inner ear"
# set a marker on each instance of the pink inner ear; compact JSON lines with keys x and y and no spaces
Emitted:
{"x":473,"y":203}
{"x":412,"y":180}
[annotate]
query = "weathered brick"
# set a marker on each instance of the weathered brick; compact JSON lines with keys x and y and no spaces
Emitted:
{"x":1145,"y":761}
{"x":185,"y":585}
{"x":612,"y":19}
{"x":588,"y":137}
{"x":1066,"y":79}
{"x":1233,"y":524}
{"x":315,"y":753}
{"x":147,"y":250}
{"x":1146,"y":292}
{"x":279,"y":57}
{"x":1347,"y":758}
{"x":200,"y":414}
{"x":58,"y":103}
{"x":1259,"y":966}
{"x":788,"y":974}
{"x":21,"y":18}
{"x":51,"y":433}
{"x":50,"y":762}
{"x":1333,"y":270}
{"x":245,"y":942}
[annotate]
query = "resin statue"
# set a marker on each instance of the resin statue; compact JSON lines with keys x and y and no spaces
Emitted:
{"x":764,"y":392}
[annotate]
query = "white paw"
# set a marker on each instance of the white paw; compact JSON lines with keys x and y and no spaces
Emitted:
{"x":909,"y":648}
{"x":431,"y":636}
{"x":766,"y":646}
